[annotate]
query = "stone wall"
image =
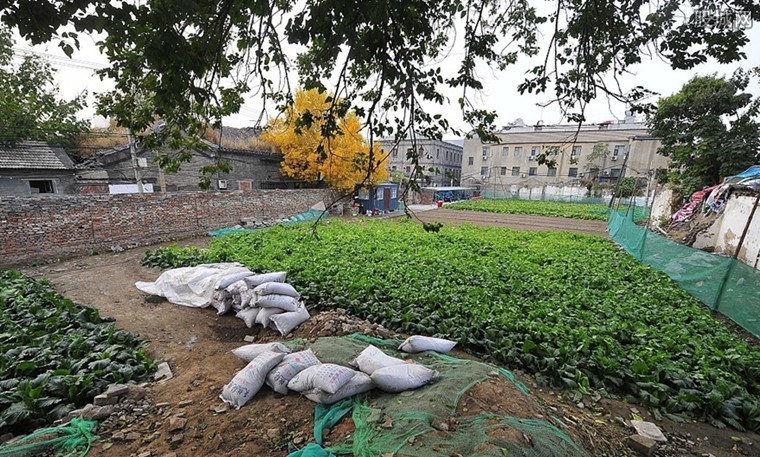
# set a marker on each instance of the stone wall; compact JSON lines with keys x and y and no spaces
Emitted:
{"x":52,"y":227}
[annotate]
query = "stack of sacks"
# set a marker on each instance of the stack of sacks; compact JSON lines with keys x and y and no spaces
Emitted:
{"x":264,"y":299}
{"x":274,"y":364}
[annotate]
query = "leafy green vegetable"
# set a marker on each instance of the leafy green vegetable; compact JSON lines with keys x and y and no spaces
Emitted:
{"x":590,"y":211}
{"x":56,"y":355}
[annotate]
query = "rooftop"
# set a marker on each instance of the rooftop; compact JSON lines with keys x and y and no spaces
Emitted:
{"x":34,"y":155}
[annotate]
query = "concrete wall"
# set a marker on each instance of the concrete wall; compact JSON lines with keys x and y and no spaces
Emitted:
{"x":661,"y":206}
{"x":43,"y":228}
{"x":16,"y":182}
{"x":724,"y":234}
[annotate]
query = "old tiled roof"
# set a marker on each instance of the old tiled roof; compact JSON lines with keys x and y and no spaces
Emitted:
{"x":34,"y":155}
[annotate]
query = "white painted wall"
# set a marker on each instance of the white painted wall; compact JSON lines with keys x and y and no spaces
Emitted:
{"x":724,"y":234}
{"x":661,"y":204}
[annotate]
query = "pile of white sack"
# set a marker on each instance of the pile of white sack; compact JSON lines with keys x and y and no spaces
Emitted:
{"x":256,"y":299}
{"x":273,"y":364}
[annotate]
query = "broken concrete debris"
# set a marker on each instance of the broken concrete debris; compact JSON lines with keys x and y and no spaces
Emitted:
{"x":649,"y":430}
{"x":643,"y":445}
{"x":163,"y":372}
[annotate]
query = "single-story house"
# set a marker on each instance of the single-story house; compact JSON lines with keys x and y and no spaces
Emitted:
{"x":35,"y":168}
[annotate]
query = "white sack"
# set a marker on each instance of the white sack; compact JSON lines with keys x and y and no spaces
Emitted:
{"x":398,"y":378}
{"x":256,"y":280}
{"x":286,"y":322}
{"x":230,"y":279}
{"x":418,"y":343}
{"x":327,"y":377}
{"x":249,"y":380}
{"x":283,"y":302}
{"x":251,"y":351}
{"x":372,"y":358}
{"x":359,"y":384}
{"x":291,"y":365}
{"x":276,"y":288}
{"x":248,"y":315}
{"x":245,"y":298}
{"x":191,"y":286}
{"x":265,"y":315}
{"x":221,"y":301}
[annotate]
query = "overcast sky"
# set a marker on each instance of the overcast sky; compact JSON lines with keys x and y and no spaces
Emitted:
{"x":500,"y":88}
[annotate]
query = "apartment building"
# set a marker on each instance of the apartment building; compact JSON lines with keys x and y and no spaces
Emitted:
{"x":443,"y":156}
{"x":513,"y":160}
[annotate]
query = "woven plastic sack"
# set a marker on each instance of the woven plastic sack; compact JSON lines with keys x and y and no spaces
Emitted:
{"x":291,"y":365}
{"x":418,"y":343}
{"x":226,"y":281}
{"x":284,"y":302}
{"x":221,"y":301}
{"x":398,"y":378}
{"x":372,"y":359}
{"x":251,"y":351}
{"x":265,"y":314}
{"x":286,"y":322}
{"x":327,"y":377}
{"x":257,"y":280}
{"x":249,"y":380}
{"x":248,"y":315}
{"x":276,"y":288}
{"x":359,"y":384}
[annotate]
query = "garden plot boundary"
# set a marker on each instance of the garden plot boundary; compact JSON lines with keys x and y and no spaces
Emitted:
{"x":54,"y":227}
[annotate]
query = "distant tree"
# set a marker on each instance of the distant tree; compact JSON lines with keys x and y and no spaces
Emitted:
{"x":341,"y":158}
{"x":709,"y":129}
{"x":30,"y":105}
{"x":599,"y":151}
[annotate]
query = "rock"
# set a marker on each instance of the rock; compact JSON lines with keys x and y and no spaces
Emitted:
{"x":648,"y":430}
{"x":104,"y":400}
{"x":641,"y":444}
{"x":145,"y":454}
{"x":250,"y":338}
{"x":388,"y":423}
{"x":221,"y":409}
{"x":132,"y":436}
{"x":118,"y":436}
{"x":217,"y":442}
{"x":177,"y":438}
{"x":185,"y":403}
{"x":298,"y":440}
{"x":162,"y":405}
{"x":177,"y":423}
{"x":5,"y":437}
{"x":163,"y":372}
{"x":169,"y":454}
{"x":100,"y":413}
{"x":116,"y":390}
{"x":273,"y":433}
{"x":440,"y":425}
{"x":580,"y":405}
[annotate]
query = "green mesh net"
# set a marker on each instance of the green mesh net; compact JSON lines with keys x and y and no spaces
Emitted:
{"x":74,"y":439}
{"x":410,"y":430}
{"x":725,"y":284}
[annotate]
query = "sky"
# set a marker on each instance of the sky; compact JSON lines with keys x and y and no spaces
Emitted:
{"x":76,"y":75}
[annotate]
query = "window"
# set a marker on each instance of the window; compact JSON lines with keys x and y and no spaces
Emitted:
{"x":394,"y":152}
{"x":363,"y":194}
{"x":393,"y":168}
{"x":618,"y":151}
{"x":471,"y":161}
{"x":409,"y":153}
{"x":486,"y":151}
{"x":408,"y":169}
{"x":534,"y":151}
{"x":438,"y":154}
{"x":572,"y":172}
{"x":483,"y":171}
{"x":394,"y":192}
{"x":379,"y":193}
{"x":515,"y":171}
{"x":505,"y":151}
{"x":615,"y":173}
{"x":44,"y":186}
{"x":532,"y":171}
{"x":518,"y":151}
{"x":552,"y":171}
{"x":576,"y":151}
{"x":503,"y":171}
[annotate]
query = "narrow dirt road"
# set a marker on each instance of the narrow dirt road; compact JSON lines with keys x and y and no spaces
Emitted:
{"x":515,"y":221}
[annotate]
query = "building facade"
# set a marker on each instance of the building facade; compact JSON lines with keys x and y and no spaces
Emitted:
{"x":35,"y":168}
{"x":442,"y":156}
{"x":591,"y":153}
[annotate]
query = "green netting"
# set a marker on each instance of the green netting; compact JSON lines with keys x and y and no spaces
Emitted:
{"x":413,"y":412}
{"x":74,"y":439}
{"x":724,"y":284}
{"x":306,"y":216}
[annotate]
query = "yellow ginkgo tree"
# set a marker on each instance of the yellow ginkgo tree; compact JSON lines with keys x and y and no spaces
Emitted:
{"x":342,"y":160}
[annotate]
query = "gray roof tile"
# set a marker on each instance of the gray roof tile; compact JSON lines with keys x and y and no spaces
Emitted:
{"x":34,"y":155}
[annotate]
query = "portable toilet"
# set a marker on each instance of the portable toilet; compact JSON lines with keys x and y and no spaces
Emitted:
{"x":381,"y":197}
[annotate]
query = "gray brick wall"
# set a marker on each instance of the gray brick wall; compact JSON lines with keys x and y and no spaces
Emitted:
{"x":47,"y":228}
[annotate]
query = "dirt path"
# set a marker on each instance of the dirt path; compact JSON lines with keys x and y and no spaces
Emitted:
{"x":197,"y":344}
{"x":515,"y":221}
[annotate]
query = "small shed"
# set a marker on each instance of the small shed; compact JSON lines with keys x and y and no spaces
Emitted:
{"x":382,"y":197}
{"x":447,"y":194}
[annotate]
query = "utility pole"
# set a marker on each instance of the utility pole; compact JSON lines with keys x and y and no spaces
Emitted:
{"x":132,"y":152}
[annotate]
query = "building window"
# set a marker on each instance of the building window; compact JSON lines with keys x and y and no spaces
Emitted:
{"x":438,"y":154}
{"x":363,"y":194}
{"x":394,"y":152}
{"x":486,"y":151}
{"x":618,"y":151}
{"x":534,"y":151}
{"x":483,"y":171}
{"x":409,"y":153}
{"x":394,"y":192}
{"x":43,"y":186}
{"x":503,"y":171}
{"x":379,"y":193}
{"x":615,"y":173}
{"x":515,"y":171}
{"x":471,"y":161}
{"x":576,"y":151}
{"x":505,"y":151}
{"x":393,"y":167}
{"x":408,"y":169}
{"x":572,"y":172}
{"x":552,"y":171}
{"x":532,"y":171}
{"x":518,"y":151}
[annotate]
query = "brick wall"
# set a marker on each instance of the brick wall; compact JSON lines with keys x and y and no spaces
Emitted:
{"x":52,"y":227}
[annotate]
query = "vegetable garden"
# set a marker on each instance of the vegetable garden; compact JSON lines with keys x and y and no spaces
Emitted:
{"x":588,"y":211}
{"x":56,"y":355}
{"x":573,"y":309}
